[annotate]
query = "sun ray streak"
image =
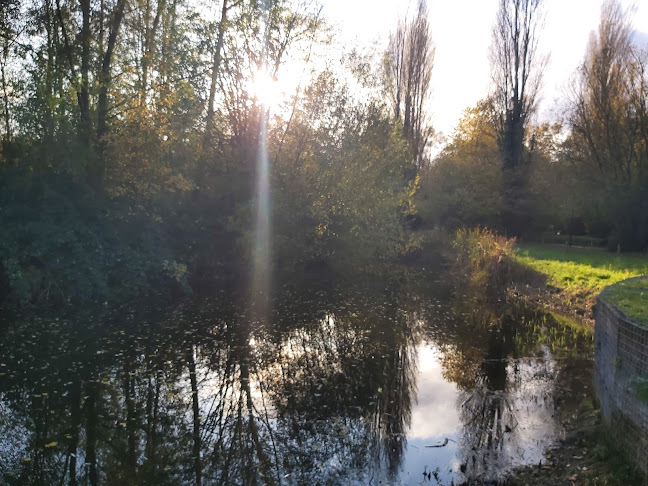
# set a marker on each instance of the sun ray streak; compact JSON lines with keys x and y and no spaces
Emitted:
{"x":262,"y":254}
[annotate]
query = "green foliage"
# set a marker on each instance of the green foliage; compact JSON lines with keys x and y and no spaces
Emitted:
{"x":342,"y":189}
{"x":462,"y":186}
{"x":640,"y":386}
{"x":61,"y":243}
{"x":363,"y":191}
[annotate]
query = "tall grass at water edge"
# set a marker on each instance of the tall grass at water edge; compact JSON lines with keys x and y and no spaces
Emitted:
{"x":484,"y":256}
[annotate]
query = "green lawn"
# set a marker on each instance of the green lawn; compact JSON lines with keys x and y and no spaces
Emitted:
{"x":632,"y":298}
{"x":583,"y":271}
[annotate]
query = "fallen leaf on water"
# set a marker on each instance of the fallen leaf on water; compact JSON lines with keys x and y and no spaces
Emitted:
{"x":51,"y":444}
{"x":27,"y":459}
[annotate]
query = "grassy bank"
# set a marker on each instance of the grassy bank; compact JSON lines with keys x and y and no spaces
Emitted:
{"x":578,"y":275}
{"x":632,"y":298}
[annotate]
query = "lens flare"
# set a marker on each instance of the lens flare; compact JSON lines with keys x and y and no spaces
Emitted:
{"x":266,"y":88}
{"x":261,"y":251}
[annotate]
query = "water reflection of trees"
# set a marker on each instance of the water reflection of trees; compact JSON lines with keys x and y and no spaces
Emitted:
{"x":323,"y":394}
{"x":504,"y":359}
{"x":202,"y":395}
{"x":358,"y":367}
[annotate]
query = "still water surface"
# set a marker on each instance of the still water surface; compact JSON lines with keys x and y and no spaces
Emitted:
{"x":394,"y":380}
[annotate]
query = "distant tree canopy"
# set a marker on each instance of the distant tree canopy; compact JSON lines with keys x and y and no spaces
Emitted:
{"x":461,"y":188}
{"x":608,"y":117}
{"x":586,"y":176}
{"x":408,"y":71}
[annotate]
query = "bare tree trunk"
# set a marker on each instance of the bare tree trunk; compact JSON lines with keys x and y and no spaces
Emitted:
{"x":82,"y":89}
{"x":5,"y":92}
{"x":96,"y":174}
{"x":49,"y":69}
{"x":149,"y":46}
{"x":209,"y":121}
{"x":84,"y":94}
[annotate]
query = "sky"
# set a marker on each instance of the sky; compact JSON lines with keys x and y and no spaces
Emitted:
{"x":461,"y":30}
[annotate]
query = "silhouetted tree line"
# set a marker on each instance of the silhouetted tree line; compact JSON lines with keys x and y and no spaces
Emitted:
{"x":130,"y":131}
{"x":583,"y":175}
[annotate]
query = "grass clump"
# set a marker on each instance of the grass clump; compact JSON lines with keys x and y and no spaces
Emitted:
{"x":484,"y":256}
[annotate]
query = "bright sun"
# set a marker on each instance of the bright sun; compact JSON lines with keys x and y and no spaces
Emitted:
{"x":265,"y":88}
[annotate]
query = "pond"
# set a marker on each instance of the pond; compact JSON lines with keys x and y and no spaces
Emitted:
{"x":390,"y":380}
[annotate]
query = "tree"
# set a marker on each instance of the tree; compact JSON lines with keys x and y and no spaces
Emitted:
{"x":216,"y":65}
{"x":608,"y":117}
{"x":105,"y":83}
{"x":147,"y":22}
{"x":516,"y":69}
{"x":409,"y":63}
{"x":599,"y":115}
{"x":8,"y":16}
{"x":461,"y":186}
{"x":81,"y":72}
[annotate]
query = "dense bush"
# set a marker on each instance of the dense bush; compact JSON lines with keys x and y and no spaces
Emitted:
{"x":63,"y":243}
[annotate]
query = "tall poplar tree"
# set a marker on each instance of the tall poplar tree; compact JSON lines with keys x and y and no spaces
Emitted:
{"x":516,"y":70}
